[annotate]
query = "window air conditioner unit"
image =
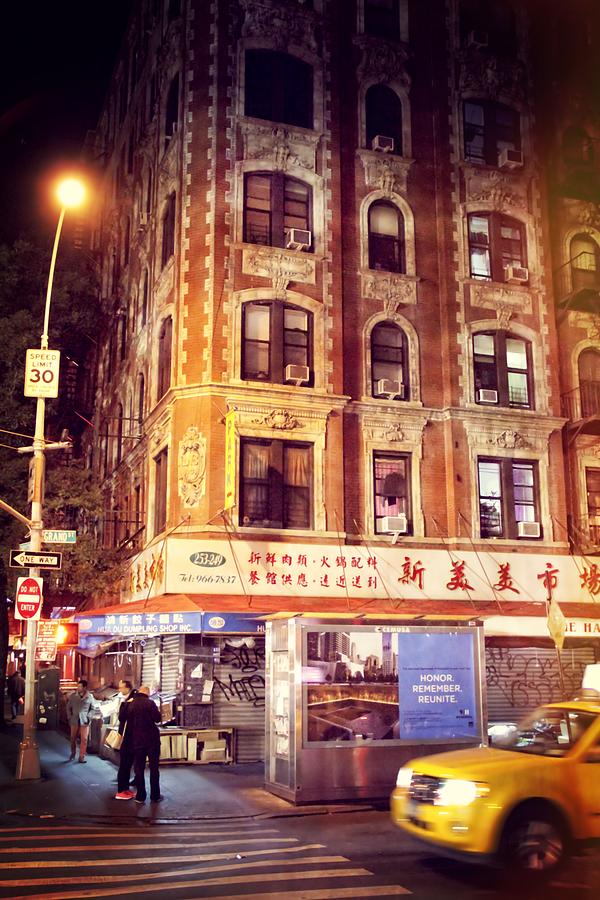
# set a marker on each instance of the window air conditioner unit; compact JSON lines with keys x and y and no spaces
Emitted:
{"x":477,"y":39}
{"x":298,"y":239}
{"x":510,"y":159}
{"x":395,"y":524}
{"x":516,"y":274}
{"x":297,"y":375}
{"x":529,"y":529}
{"x":389,"y":389}
{"x":382,"y":143}
{"x":484,"y":395}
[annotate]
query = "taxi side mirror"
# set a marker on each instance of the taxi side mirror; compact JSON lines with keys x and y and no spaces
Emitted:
{"x":593,"y":755}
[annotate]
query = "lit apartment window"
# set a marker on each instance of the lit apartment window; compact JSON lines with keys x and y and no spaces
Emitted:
{"x":508,"y":499}
{"x":383,"y":114}
{"x":276,"y":484}
{"x":276,"y":343}
{"x":389,"y":362}
{"x":274,"y":206}
{"x":490,"y":128}
{"x":382,"y":19}
{"x":497,"y":248}
{"x":161,"y":463}
{"x":391,"y":482}
{"x":502,"y":369}
{"x":386,"y":237}
{"x":279,"y":87}
{"x":165,"y":340}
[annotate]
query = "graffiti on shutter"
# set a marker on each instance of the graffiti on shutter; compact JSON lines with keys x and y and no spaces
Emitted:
{"x":239,"y":693}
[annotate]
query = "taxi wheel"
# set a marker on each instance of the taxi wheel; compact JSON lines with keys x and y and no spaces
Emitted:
{"x":534,"y":845}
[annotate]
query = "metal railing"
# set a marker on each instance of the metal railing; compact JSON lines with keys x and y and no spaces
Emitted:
{"x":578,"y":273}
{"x":582,"y":402}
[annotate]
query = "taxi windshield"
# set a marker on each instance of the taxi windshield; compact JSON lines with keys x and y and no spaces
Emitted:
{"x":547,"y":732}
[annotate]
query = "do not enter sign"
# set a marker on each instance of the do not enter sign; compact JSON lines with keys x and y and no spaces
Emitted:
{"x":29,"y":598}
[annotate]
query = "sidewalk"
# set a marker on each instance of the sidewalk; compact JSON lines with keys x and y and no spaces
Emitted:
{"x":68,"y":790}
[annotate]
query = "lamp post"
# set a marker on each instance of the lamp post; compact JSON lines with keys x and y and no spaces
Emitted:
{"x":70,"y":193}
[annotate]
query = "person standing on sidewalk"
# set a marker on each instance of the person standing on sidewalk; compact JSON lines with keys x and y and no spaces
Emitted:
{"x":143,"y":717}
{"x":79,"y":715}
{"x":126,"y":750}
{"x":15,"y":686}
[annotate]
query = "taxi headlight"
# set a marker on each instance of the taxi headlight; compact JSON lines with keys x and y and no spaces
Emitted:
{"x":457,"y":792}
{"x":404,"y":777}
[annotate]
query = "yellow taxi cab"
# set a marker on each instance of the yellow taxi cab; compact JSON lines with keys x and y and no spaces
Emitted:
{"x":523,"y":802}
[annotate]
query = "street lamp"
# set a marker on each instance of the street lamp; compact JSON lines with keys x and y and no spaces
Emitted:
{"x":70,"y":193}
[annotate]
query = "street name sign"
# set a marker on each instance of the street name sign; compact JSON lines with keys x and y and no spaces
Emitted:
{"x":42,"y":369}
{"x":19,"y":559}
{"x":50,"y":536}
{"x":28,"y":602}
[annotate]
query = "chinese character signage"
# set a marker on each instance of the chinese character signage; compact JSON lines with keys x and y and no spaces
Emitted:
{"x":134,"y":624}
{"x":230,"y":467}
{"x":436,"y":686}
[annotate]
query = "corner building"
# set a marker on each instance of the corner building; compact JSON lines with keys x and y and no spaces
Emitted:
{"x":331,"y":379}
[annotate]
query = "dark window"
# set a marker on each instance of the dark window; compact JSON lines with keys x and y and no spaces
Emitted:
{"x":383,"y":115}
{"x":386,"y":237}
{"x":145,"y":298}
{"x":588,"y":366}
{"x":490,"y":128}
{"x":119,"y":435}
{"x":273,"y":205}
{"x":491,"y":22}
{"x":174,"y":10}
{"x":126,"y":241}
{"x":149,"y":193}
{"x":391,"y":479}
{"x":584,"y":254}
{"x":168,"y":231}
{"x":508,"y":495}
{"x":122,"y":335}
{"x":161,"y":463}
{"x":141,"y":403}
{"x":276,"y":484}
{"x":502,"y":365}
{"x":275,"y":336}
{"x":172,"y":111}
{"x":389,"y":358}
{"x":382,"y":19}
{"x":495,"y":243}
{"x":577,"y":147}
{"x":164,"y":358}
{"x":592,"y":484}
{"x":279,"y":87}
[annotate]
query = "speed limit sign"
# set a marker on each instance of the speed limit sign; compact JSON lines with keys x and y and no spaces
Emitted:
{"x":42,"y":369}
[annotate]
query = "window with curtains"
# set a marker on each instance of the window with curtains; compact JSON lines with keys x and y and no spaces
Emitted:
{"x":490,"y":128}
{"x":382,"y":19}
{"x":502,"y":366}
{"x":389,"y":358}
{"x":391,"y":483}
{"x":278,"y":87}
{"x":383,"y":115}
{"x":168,"y":231}
{"x":161,"y":463}
{"x":273,"y":205}
{"x":386,"y":237}
{"x":276,"y":484}
{"x":274,"y":336}
{"x":508,"y":496}
{"x":496,"y":242}
{"x":165,"y":340}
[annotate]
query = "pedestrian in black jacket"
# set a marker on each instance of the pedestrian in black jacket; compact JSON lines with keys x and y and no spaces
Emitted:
{"x":126,"y":750}
{"x":143,"y":717}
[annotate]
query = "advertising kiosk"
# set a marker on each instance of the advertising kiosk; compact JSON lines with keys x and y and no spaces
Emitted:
{"x":348,"y":704}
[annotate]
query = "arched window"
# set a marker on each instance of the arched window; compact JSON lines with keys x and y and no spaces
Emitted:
{"x":386,"y":237}
{"x":389,"y":362}
{"x":383,"y":115}
{"x":164,"y":358}
{"x":277,"y":211}
{"x":502,"y":370}
{"x":589,"y":382}
{"x":279,"y":87}
{"x":497,"y":248}
{"x":276,"y":343}
{"x":168,"y":231}
{"x":172,"y":110}
{"x":584,"y":262}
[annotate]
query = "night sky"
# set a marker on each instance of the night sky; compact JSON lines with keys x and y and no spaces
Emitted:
{"x":56,"y":59}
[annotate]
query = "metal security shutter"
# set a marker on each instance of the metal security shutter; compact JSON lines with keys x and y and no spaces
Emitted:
{"x":521,"y":678}
{"x":171,"y":650}
{"x":239,"y":695}
{"x":149,"y":661}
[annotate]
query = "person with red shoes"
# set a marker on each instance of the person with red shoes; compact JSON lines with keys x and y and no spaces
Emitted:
{"x":142,"y":717}
{"x":127,"y":693}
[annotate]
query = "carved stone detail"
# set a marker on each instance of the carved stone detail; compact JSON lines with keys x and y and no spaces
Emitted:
{"x":490,"y":75}
{"x":589,"y":323}
{"x":191,"y":468}
{"x":279,"y":419}
{"x":390,"y":431}
{"x":382,"y":62}
{"x":502,"y":191}
{"x":280,"y":26}
{"x":160,"y":432}
{"x":281,"y":147}
{"x":392,"y":290}
{"x":511,"y":440}
{"x":502,"y":299}
{"x":589,"y":214}
{"x":280,"y":266}
{"x":385,"y":173}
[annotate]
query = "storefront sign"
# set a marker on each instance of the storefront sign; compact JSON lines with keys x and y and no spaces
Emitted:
{"x":46,"y":641}
{"x":259,"y":568}
{"x":134,"y":624}
{"x":436,"y":679}
{"x":230,"y":467}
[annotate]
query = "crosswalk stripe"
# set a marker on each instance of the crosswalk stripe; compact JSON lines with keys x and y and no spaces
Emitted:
{"x":99,"y":828}
{"x":128,"y":834}
{"x":78,"y":848}
{"x":128,"y":861}
{"x":172,"y":873}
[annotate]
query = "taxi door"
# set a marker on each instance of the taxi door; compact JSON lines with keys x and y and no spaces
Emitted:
{"x":588,"y":787}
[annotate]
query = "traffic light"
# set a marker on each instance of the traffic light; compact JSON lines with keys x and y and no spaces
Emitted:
{"x":67,"y":634}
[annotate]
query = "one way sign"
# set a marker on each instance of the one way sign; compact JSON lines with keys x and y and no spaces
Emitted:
{"x":20,"y":559}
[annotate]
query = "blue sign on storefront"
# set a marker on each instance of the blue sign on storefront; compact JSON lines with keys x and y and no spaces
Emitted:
{"x":132,"y":624}
{"x":436,"y":686}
